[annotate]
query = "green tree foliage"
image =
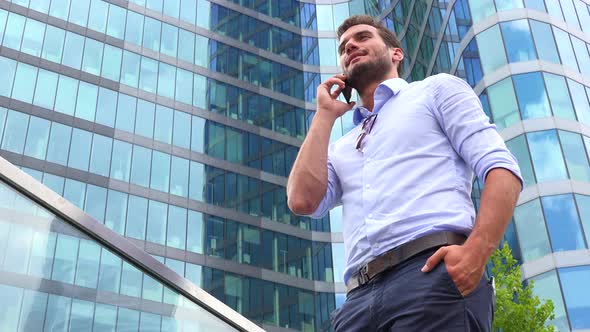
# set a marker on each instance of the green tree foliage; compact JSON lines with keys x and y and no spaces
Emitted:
{"x":517,"y":308}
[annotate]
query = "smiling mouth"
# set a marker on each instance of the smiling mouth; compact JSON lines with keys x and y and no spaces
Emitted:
{"x":354,"y":59}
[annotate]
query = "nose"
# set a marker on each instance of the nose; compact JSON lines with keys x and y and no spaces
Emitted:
{"x":350,"y":46}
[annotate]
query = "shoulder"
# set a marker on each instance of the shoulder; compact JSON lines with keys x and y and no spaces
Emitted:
{"x":446,"y":80}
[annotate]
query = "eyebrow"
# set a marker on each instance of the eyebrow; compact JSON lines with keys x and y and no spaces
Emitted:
{"x":354,"y":36}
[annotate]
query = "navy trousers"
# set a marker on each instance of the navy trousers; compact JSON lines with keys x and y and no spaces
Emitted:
{"x":406,"y":299}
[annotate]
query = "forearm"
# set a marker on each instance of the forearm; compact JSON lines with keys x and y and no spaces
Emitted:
{"x":308,"y":180}
{"x":498,"y":200}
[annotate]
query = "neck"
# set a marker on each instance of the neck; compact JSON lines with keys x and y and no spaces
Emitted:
{"x":367,"y":92}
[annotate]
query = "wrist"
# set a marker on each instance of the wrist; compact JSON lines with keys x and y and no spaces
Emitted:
{"x":479,"y":247}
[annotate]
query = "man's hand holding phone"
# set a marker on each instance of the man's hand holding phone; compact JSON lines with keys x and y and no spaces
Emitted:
{"x":327,"y":100}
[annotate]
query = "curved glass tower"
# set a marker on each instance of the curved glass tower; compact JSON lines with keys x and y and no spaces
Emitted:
{"x":175,"y":123}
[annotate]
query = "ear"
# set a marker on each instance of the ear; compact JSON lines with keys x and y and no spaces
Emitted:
{"x":397,"y":54}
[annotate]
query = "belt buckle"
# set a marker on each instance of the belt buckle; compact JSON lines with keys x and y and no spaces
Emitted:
{"x":363,"y":276}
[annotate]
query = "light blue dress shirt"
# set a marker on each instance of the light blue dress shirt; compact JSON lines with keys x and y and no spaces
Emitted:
{"x":414,"y":173}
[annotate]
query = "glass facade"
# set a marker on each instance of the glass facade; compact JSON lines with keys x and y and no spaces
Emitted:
{"x":175,"y":124}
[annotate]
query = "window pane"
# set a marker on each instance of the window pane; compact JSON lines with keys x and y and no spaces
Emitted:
{"x":121,"y":161}
{"x":188,"y":11}
{"x":565,"y":48}
{"x":169,"y":39}
{"x":86,"y":101}
{"x":576,"y":159}
{"x":126,"y":113}
{"x":33,"y":37}
{"x":15,"y":132}
{"x":574,"y":281}
{"x":54,"y":41}
{"x":184,"y":86}
{"x":149,"y":75}
{"x":163,"y":131}
{"x":166,"y":80}
{"x":134,"y":28}
{"x":65,"y":259}
{"x":131,"y":279}
{"x":562,"y":223}
{"x":144,"y":125}
{"x":570,"y":13}
{"x":151,"y":35}
{"x":45,"y":89}
{"x":92,"y":56}
{"x":186,"y":45}
{"x":203,"y":13}
{"x":116,"y":212}
{"x":24,"y":83}
{"x":105,"y":317}
{"x":72,"y":57}
{"x":194,"y":241}
{"x":532,"y":98}
{"x":59,"y":143}
{"x":583,"y":15}
{"x":130,"y":69}
{"x":110,"y":272}
{"x":15,"y":26}
{"x":581,"y":51}
{"x":532,"y":235}
{"x":116,"y":22}
{"x":156,"y":229}
{"x":198,"y":134}
{"x":75,"y":192}
{"x":544,"y":41}
{"x":79,"y":12}
{"x":492,"y":57}
{"x":508,"y":4}
{"x":559,"y":96}
{"x":111,"y":63}
{"x":197,"y":181}
{"x":546,"y":155}
{"x":106,"y":108}
{"x":100,"y":158}
{"x":141,"y":166}
{"x":136,"y":217}
{"x":87,"y":269}
{"x":97,"y":19}
{"x":518,"y":147}
{"x":95,"y":202}
{"x":583,"y":203}
{"x":481,"y":9}
{"x":37,"y":138}
{"x":160,"y":177}
{"x":518,"y":41}
{"x":60,"y":9}
{"x":581,"y":104}
{"x":503,"y":103}
{"x":80,"y":149}
{"x":176,"y":235}
{"x":202,"y":51}
{"x":182,"y":129}
{"x":547,"y":288}
{"x":66,"y":88}
{"x":179,"y":177}
{"x":8,"y":68}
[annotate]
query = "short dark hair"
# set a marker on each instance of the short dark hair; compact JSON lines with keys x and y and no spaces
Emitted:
{"x":387,"y":35}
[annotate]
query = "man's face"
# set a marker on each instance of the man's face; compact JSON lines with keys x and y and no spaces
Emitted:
{"x":363,"y":55}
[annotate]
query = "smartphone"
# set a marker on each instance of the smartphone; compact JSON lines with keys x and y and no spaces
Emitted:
{"x":347,"y":91}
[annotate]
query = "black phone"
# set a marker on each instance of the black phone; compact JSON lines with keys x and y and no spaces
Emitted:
{"x":347,"y":91}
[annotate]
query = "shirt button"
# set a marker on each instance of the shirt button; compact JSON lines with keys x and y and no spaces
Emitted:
{"x":376,"y":245}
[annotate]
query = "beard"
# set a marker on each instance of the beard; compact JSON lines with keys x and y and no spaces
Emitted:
{"x":364,"y":73}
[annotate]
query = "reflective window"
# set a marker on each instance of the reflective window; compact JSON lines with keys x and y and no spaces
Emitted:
{"x":518,"y":41}
{"x":503,"y":103}
{"x":141,"y":166}
{"x":116,"y":211}
{"x":136,"y":217}
{"x":160,"y":177}
{"x":570,"y":13}
{"x":37,"y":138}
{"x":156,"y":226}
{"x":116,"y":22}
{"x":546,"y":47}
{"x":45,"y":89}
{"x":121,"y":161}
{"x":169,"y":39}
{"x":179,"y":176}
{"x":95,"y":202}
{"x":559,"y":96}
{"x":532,"y":98}
{"x":166,"y":80}
{"x":530,"y":227}
{"x":546,"y":155}
{"x":59,"y":141}
{"x":519,"y":149}
{"x":176,"y":233}
{"x":547,"y":288}
{"x":97,"y":19}
{"x":100,"y":157}
{"x":60,"y":9}
{"x":492,"y":57}
{"x":144,"y":125}
{"x":151,"y":35}
{"x":508,"y":4}
{"x":583,"y":203}
{"x":134,"y":28}
{"x":125,"y":119}
{"x":164,"y":119}
{"x":13,"y":32}
{"x":15,"y":132}
{"x":581,"y":51}
{"x":574,"y":282}
{"x":580,"y":100}
{"x":562,"y":222}
{"x":111,"y":64}
{"x":130,"y":69}
{"x":583,"y":15}
{"x":52,"y":47}
{"x":565,"y":48}
{"x":481,"y":9}
{"x":149,"y":75}
{"x":72,"y":57}
{"x":24,"y":83}
{"x":80,"y":149}
{"x":86,"y":101}
{"x":8,"y":67}
{"x":66,"y":87}
{"x":106,"y":107}
{"x":33,"y":38}
{"x":182,"y":130}
{"x":575,"y":155}
{"x":79,"y":12}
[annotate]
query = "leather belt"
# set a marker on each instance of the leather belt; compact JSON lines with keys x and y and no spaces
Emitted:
{"x":399,"y":254}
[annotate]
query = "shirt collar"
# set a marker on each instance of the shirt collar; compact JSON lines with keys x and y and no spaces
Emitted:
{"x":384,"y":91}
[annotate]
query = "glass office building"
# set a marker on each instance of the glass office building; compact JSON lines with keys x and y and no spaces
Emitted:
{"x":174,"y":123}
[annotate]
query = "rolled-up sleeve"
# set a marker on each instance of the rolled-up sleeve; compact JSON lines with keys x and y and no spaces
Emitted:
{"x":476,"y":140}
{"x":333,"y":194}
